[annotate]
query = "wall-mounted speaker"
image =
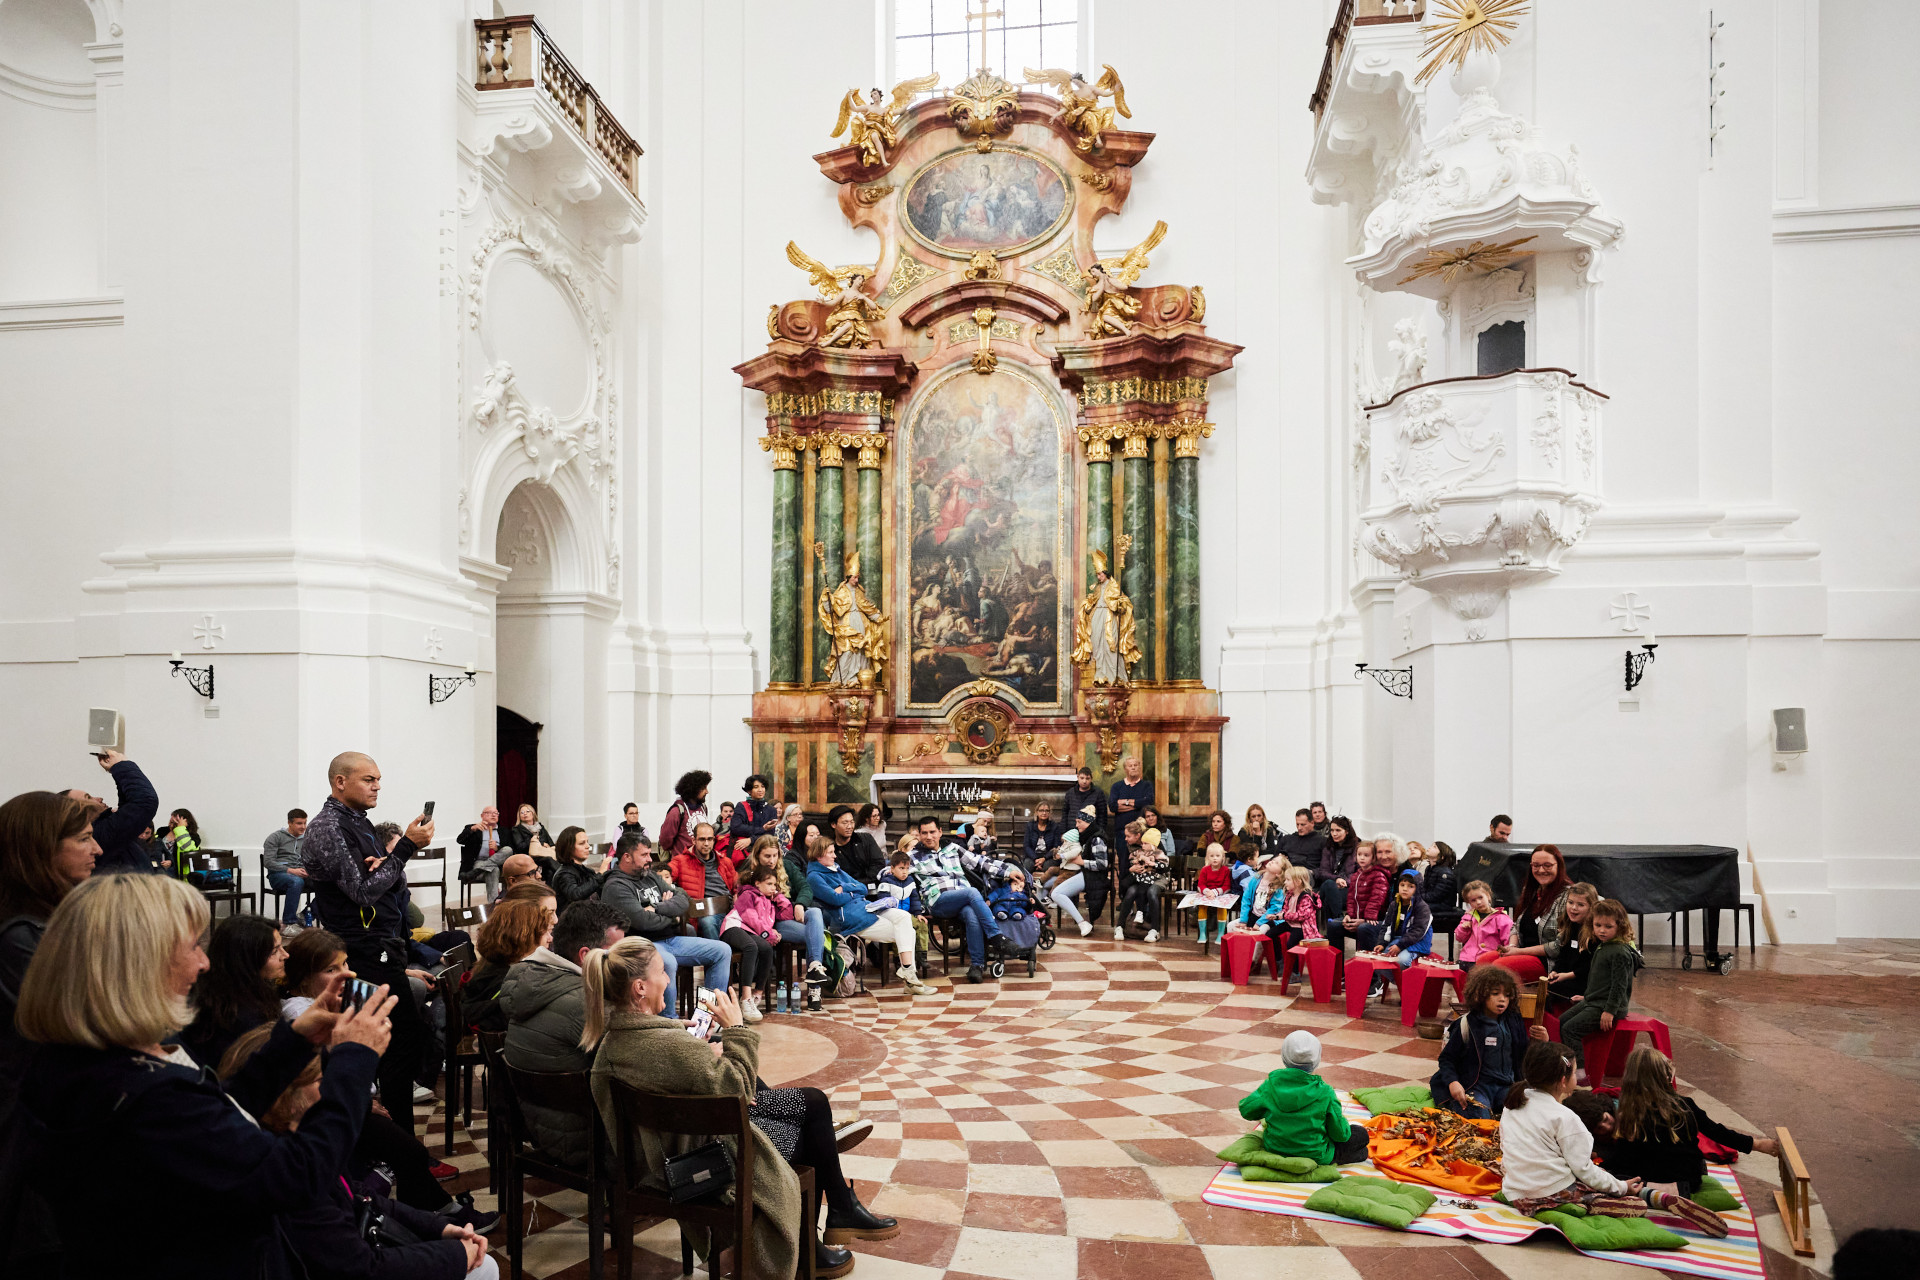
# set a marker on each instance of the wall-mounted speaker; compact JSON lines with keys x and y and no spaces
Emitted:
{"x":106,"y":730}
{"x":1789,"y":730}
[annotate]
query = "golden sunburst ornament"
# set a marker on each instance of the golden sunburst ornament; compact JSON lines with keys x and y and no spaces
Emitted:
{"x":1466,"y":25}
{"x":1451,"y":264}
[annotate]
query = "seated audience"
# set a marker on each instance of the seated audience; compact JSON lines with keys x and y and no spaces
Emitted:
{"x":513,"y":932}
{"x":280,"y":855}
{"x":626,"y":989}
{"x":749,"y":929}
{"x":655,"y":909}
{"x":1440,"y":884}
{"x":1404,"y":930}
{"x":1216,"y":877}
{"x":239,"y":990}
{"x":1148,"y":871}
{"x":787,"y":832}
{"x":546,"y":1014}
{"x":871,"y":822}
{"x":1656,"y":1135}
{"x":1539,"y":915}
{"x":1300,"y":1112}
{"x":1256,"y":841}
{"x":528,"y":835}
{"x":1610,"y":981}
{"x":755,"y":816}
{"x":941,"y":872}
{"x":844,"y":900}
{"x":630,"y":821}
{"x":900,"y":889}
{"x":117,"y":1110}
{"x":1262,"y":905}
{"x":313,"y":957}
{"x":1484,"y":928}
{"x":1096,"y":865}
{"x":331,"y":1244}
{"x":808,"y":928}
{"x":1303,"y":846}
{"x":1547,"y":1154}
{"x":482,"y":849}
{"x":517,"y":869}
{"x":575,"y":879}
{"x":1572,"y":951}
{"x":182,"y":840}
{"x":1365,"y":895}
{"x":1337,"y":865}
{"x":855,"y":854}
{"x":1301,"y":911}
{"x":702,"y":873}
{"x":1170,"y":844}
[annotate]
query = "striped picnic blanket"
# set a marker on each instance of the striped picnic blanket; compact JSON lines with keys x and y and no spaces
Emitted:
{"x":1735,"y":1258}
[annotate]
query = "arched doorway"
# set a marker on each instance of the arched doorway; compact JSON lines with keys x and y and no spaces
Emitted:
{"x":516,"y":763}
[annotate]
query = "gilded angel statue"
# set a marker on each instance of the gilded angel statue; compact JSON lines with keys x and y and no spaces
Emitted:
{"x":851,"y":312}
{"x":1108,"y":280}
{"x":1080,"y":108}
{"x":874,"y":125}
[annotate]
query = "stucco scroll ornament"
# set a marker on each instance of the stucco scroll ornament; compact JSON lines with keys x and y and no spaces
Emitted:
{"x":548,"y":443}
{"x":1080,"y":109}
{"x":1438,"y":457}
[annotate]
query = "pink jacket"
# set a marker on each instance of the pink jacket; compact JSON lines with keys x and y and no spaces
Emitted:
{"x":1367,"y":893}
{"x":756,"y":913}
{"x":1483,"y":935}
{"x":1302,"y":911}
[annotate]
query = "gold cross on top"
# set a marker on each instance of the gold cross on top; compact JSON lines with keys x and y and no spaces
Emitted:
{"x":981,"y":17}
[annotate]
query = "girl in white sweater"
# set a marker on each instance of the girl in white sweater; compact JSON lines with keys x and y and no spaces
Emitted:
{"x":1547,"y":1154}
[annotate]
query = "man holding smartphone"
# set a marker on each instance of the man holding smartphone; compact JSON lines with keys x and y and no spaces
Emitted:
{"x":353,"y":878}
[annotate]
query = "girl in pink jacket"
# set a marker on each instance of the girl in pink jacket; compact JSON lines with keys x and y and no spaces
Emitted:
{"x":1302,"y":905}
{"x":1484,"y":929}
{"x":748,"y":929}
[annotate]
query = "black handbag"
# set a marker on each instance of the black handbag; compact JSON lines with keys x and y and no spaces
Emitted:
{"x":376,"y":1228}
{"x":699,"y":1173}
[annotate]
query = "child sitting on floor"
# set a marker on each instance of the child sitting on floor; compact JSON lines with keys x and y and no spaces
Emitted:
{"x":1547,"y":1154}
{"x":1366,"y":894}
{"x":1482,"y":1050}
{"x":1301,"y":1112}
{"x":1214,"y":877}
{"x":1484,"y":929}
{"x":1142,"y":900}
{"x":1656,"y":1135}
{"x":1610,"y":982}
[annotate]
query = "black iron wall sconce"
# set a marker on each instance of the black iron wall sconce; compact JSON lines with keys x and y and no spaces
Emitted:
{"x":201,"y":678}
{"x":1397,"y":681}
{"x":440,"y":688}
{"x":1637,"y":665}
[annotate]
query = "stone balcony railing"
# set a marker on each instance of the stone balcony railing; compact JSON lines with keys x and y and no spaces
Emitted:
{"x":517,"y":53}
{"x":1477,"y":485}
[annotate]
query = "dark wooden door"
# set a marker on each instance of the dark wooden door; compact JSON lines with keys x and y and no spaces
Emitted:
{"x":517,"y":763}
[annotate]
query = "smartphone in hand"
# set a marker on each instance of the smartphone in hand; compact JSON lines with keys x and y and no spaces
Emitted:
{"x":427,"y":812}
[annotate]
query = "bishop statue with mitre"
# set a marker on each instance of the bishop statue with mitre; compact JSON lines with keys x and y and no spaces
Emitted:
{"x":856,"y":629}
{"x":1103,"y":639}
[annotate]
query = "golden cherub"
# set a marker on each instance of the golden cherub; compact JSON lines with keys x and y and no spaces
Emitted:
{"x":1108,"y":281}
{"x":875,"y":126}
{"x":851,"y":311}
{"x":1080,"y":108}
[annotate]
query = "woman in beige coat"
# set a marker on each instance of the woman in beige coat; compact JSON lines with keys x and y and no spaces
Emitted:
{"x":626,"y":988}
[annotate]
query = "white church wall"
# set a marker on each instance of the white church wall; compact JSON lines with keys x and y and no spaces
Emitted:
{"x":50,"y":201}
{"x":1868,"y":155}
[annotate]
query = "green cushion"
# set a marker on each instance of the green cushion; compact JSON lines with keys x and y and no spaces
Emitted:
{"x":1260,"y":1173}
{"x":1380,"y":1201}
{"x":1595,"y":1232}
{"x":1394,"y":1098}
{"x":1714,"y":1196}
{"x":1248,"y":1152}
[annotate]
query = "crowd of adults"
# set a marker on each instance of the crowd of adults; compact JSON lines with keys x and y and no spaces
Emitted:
{"x":260,"y":1073}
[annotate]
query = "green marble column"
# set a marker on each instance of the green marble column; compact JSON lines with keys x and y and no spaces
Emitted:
{"x":1099,"y":505}
{"x":1136,"y":579}
{"x":783,"y":655}
{"x":829,"y":530}
{"x":1183,"y":562}
{"x":867,"y":539}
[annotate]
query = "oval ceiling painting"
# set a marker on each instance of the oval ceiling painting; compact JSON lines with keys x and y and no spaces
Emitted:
{"x":1001,"y":200}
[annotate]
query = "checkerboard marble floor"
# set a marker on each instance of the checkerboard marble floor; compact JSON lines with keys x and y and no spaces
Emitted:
{"x":1063,"y":1126}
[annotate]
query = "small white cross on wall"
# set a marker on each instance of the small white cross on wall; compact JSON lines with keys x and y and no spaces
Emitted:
{"x":435,"y":646}
{"x":1630,"y":611}
{"x":208,"y":632}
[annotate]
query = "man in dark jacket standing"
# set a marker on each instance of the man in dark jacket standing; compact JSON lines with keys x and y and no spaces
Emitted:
{"x":117,"y":831}
{"x":1083,"y":793}
{"x":354,"y":881}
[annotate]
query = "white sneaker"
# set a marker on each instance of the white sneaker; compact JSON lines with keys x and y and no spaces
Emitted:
{"x":422,"y":1094}
{"x":909,"y":976}
{"x":750,"y":1011}
{"x":1085,"y":928}
{"x":1119,"y":935}
{"x":1138,"y":918}
{"x":1153,"y":935}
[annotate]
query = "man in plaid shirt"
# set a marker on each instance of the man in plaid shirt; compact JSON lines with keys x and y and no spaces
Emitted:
{"x":941,"y":873}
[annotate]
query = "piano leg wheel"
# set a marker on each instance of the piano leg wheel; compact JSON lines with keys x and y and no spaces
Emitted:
{"x":1686,"y":961}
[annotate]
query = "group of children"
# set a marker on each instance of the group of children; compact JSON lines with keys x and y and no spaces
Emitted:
{"x":1550,"y":1128}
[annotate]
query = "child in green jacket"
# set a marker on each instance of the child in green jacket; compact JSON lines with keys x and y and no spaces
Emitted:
{"x":1609,"y":979}
{"x":1301,"y":1112}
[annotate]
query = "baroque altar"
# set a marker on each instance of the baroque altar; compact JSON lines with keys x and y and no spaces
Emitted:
{"x":964,"y":574}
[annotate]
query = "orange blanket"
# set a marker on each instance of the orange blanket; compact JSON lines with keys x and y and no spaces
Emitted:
{"x":1437,"y":1149}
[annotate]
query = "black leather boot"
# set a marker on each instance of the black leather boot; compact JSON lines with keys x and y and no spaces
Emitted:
{"x":859,"y":1223}
{"x":829,"y":1261}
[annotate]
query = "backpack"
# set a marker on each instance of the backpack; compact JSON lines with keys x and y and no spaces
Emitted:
{"x":840,"y":979}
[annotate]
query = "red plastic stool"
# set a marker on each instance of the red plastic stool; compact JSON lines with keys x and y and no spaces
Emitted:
{"x":1240,"y":956}
{"x":1420,"y":988}
{"x":1322,"y":966}
{"x":1607,"y":1050}
{"x":1360,"y":971}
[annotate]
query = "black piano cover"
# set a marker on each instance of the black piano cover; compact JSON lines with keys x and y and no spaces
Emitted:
{"x":1646,"y":878}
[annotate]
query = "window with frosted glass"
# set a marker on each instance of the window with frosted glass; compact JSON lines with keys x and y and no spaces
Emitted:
{"x":934,"y":35}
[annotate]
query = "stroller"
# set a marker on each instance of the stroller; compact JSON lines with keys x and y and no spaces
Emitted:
{"x":1023,"y":935}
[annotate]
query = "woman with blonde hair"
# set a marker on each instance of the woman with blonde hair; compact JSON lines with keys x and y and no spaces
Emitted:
{"x":626,"y":989}
{"x":1258,"y":840}
{"x":120,"y":1114}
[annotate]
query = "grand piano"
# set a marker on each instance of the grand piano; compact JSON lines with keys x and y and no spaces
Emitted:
{"x":1648,"y":879}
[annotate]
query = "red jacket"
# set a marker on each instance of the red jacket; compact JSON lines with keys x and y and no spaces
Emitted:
{"x":1367,"y":893}
{"x":691,"y":875}
{"x":1215,"y":880}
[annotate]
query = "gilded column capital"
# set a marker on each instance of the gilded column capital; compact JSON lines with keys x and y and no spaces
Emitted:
{"x":1186,"y":434}
{"x":829,"y":444}
{"x":785,"y":448}
{"x":1098,"y":442}
{"x":871,"y":445}
{"x":1137,"y":439}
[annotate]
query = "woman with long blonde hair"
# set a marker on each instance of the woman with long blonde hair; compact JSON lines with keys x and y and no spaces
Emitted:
{"x":626,"y":989}
{"x":120,"y":1110}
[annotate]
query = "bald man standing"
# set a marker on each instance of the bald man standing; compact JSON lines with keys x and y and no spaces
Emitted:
{"x":353,"y":879}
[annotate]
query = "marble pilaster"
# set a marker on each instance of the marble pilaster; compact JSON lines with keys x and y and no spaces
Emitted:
{"x":830,"y":542}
